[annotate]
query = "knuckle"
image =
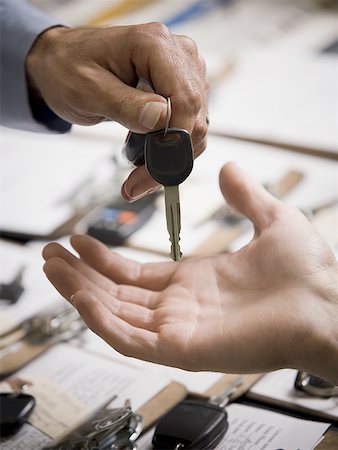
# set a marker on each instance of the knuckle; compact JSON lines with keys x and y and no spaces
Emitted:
{"x":201,"y":64}
{"x":195,"y":101}
{"x":158,"y":30}
{"x":153,"y":32}
{"x":189,"y":45}
{"x":200,"y":130}
{"x":200,"y":145}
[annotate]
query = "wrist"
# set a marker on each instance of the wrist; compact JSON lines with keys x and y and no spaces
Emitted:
{"x":318,"y":333}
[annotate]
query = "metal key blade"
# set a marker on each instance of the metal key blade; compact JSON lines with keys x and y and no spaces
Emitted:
{"x":173,"y":216}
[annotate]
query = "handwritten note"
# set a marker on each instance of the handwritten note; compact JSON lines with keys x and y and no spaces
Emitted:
{"x":197,"y":382}
{"x":28,"y":438}
{"x":259,"y":429}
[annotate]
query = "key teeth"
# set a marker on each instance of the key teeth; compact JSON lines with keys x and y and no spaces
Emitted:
{"x":174,"y":257}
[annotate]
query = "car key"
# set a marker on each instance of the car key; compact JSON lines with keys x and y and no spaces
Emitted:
{"x":168,"y":157}
{"x":192,"y":424}
{"x":169,"y":161}
{"x":15,"y":408}
{"x":195,"y":424}
{"x":12,"y":291}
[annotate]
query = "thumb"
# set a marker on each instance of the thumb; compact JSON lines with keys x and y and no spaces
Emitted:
{"x":248,"y":197}
{"x":137,"y":110}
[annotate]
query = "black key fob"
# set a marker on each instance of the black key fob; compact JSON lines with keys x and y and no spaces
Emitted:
{"x":133,"y":148}
{"x":193,"y":424}
{"x":14,"y":411}
{"x":168,"y":156}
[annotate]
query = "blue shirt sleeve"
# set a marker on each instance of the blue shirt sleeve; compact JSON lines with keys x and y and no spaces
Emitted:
{"x":21,"y":23}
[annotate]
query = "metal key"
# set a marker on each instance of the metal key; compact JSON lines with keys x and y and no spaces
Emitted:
{"x":168,"y":157}
{"x":173,"y":218}
{"x":169,"y":161}
{"x":13,"y":290}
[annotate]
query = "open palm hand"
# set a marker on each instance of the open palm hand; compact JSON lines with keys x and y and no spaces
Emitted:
{"x":243,"y":312}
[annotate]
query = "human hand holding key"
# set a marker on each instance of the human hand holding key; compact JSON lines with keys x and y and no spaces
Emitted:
{"x":168,"y":158}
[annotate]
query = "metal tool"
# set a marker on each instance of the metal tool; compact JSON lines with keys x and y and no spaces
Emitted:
{"x":58,"y":325}
{"x":36,"y":335}
{"x":108,"y":429}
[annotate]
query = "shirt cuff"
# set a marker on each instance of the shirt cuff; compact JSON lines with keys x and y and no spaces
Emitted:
{"x":21,"y":24}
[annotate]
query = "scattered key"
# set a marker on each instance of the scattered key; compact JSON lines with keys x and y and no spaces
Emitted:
{"x":195,"y":424}
{"x":12,"y":291}
{"x":169,"y":161}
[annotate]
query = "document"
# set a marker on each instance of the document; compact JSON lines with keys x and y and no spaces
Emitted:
{"x":45,"y":180}
{"x":195,"y":382}
{"x":278,"y":387}
{"x":69,"y":384}
{"x":278,"y":95}
{"x":258,"y":429}
{"x":27,"y":438}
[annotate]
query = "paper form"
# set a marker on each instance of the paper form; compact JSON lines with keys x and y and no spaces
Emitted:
{"x":196,"y":382}
{"x":70,"y":383}
{"x":38,"y":293}
{"x":258,"y":429}
{"x":28,"y":438}
{"x":280,"y":96}
{"x":278,"y":385}
{"x":44,"y":179}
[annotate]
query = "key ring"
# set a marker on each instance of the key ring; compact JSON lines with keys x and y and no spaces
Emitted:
{"x":168,"y":116}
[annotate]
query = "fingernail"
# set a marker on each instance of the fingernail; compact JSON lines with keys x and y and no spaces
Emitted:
{"x":151,"y":113}
{"x":139,"y":192}
{"x":125,"y":192}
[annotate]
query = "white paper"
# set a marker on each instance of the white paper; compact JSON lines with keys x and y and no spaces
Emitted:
{"x":279,"y":385}
{"x":195,"y":382}
{"x":280,"y":96}
{"x":28,"y":438}
{"x":258,"y":429}
{"x":45,"y":178}
{"x":69,"y":384}
{"x":94,"y":379}
{"x":38,"y":293}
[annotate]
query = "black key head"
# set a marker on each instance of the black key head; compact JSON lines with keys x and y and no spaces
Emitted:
{"x":11,"y":291}
{"x":169,"y":158}
{"x":14,"y":411}
{"x":134,"y":148}
{"x":193,"y":424}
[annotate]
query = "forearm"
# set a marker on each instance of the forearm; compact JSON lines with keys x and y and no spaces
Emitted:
{"x":21,"y":23}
